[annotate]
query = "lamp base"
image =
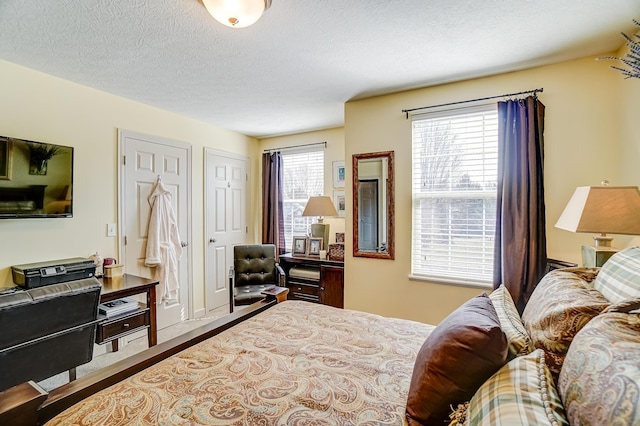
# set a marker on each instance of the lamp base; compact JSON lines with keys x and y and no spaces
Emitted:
{"x":595,"y":257}
{"x":321,"y":230}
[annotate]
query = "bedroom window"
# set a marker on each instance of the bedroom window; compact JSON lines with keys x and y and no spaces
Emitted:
{"x":303,"y":175}
{"x":454,"y":182}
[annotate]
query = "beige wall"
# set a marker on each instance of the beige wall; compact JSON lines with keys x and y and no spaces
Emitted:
{"x":590,"y":135}
{"x":584,"y":142}
{"x":43,"y":108}
{"x":333,"y":152}
{"x":628,"y":91}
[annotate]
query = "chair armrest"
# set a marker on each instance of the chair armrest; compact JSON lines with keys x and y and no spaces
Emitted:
{"x":231,"y":283}
{"x":281,"y":277}
{"x":232,"y":278}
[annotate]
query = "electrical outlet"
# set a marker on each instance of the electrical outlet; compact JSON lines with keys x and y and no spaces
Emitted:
{"x":111,"y":229}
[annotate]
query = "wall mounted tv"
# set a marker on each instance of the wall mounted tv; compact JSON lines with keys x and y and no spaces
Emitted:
{"x":36,"y":179}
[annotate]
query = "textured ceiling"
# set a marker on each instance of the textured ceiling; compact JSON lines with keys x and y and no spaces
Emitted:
{"x":296,"y":67}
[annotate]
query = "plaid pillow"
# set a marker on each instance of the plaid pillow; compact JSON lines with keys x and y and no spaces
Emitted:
{"x":519,"y":342}
{"x":520,"y":393}
{"x":619,"y":278}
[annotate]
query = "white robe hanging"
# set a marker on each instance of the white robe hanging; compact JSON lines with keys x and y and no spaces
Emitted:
{"x":163,"y":242}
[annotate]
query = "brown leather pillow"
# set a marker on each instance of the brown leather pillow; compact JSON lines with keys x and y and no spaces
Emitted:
{"x":463,"y":351}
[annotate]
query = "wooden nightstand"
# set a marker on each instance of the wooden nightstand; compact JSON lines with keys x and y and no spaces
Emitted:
{"x":111,"y":329}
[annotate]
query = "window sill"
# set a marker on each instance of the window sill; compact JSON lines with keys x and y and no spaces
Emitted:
{"x":450,"y":281}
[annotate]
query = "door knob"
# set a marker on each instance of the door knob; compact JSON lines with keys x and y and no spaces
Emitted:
{"x":184,"y":243}
{"x":212,"y":240}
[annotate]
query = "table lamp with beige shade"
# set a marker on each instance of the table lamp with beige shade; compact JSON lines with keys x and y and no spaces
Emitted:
{"x":602,"y":210}
{"x":320,"y":206}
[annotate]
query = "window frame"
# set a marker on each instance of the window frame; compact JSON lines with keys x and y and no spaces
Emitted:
{"x":485,"y":196}
{"x":298,"y":222}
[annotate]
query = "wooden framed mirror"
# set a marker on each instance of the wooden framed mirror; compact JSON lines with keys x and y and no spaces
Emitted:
{"x":373,"y":206}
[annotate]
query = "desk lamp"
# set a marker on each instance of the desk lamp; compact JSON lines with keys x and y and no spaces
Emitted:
{"x":602,"y":210}
{"x":320,"y":206}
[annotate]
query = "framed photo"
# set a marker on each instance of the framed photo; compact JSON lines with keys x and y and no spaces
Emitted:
{"x":5,"y":159}
{"x":339,"y":237}
{"x":339,"y":202}
{"x":315,"y":245}
{"x":338,"y":174}
{"x":300,"y":246}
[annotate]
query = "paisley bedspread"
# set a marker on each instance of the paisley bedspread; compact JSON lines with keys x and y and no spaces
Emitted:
{"x":297,"y":363}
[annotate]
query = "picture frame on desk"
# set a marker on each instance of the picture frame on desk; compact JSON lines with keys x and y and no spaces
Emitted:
{"x":299,"y":246}
{"x":315,"y":245}
{"x":336,"y":252}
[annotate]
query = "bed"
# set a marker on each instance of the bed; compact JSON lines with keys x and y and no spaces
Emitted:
{"x":289,"y":363}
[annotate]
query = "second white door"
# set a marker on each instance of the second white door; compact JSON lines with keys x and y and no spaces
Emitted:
{"x":226,"y":177}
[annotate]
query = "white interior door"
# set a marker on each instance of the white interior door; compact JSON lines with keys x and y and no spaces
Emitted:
{"x":226,"y":178}
{"x":144,"y":159}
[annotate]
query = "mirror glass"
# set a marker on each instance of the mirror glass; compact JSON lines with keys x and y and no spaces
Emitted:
{"x":373,"y":205}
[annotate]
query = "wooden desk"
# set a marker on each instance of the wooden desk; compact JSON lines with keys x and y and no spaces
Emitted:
{"x":109,"y":330}
{"x":325,"y":286}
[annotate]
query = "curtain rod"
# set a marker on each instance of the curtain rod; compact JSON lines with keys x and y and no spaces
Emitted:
{"x":294,"y":147}
{"x":534,"y":91}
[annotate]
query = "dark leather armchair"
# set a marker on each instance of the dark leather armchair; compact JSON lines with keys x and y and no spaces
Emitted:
{"x":254,"y":269}
{"x":47,"y":330}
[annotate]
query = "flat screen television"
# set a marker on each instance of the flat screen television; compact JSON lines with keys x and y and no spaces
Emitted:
{"x":36,"y":179}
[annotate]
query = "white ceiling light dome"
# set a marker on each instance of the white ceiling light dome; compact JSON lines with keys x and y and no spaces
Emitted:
{"x":237,"y":13}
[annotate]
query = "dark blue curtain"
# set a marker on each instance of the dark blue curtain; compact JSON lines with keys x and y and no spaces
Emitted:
{"x":521,"y":242}
{"x":272,"y":195}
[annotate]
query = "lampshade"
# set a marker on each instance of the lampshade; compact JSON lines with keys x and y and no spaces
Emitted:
{"x":236,"y":13}
{"x":320,"y":206}
{"x":603,"y":209}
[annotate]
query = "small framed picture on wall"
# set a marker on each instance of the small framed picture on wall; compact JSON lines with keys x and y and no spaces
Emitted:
{"x":339,"y":202}
{"x":338,"y":174}
{"x":300,"y":245}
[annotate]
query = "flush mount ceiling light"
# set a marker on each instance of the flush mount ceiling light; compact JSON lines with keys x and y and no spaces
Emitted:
{"x":236,"y":13}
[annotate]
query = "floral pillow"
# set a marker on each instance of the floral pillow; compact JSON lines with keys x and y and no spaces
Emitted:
{"x":600,"y":380}
{"x":559,"y":307}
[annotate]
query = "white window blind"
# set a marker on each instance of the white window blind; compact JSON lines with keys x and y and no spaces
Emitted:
{"x":455,"y":168}
{"x":303,"y":175}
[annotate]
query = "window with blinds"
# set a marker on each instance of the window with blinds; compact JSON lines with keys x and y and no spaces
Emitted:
{"x":303,"y":176}
{"x":455,"y":169}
